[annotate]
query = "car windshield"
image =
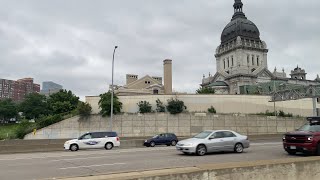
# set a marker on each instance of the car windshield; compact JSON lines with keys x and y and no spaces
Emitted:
{"x":203,"y":135}
{"x":310,"y":127}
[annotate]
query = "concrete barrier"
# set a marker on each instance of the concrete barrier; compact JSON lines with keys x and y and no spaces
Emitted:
{"x":47,"y":145}
{"x":280,"y":169}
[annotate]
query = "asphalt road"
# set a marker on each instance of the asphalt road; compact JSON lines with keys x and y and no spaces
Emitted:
{"x":93,"y":162}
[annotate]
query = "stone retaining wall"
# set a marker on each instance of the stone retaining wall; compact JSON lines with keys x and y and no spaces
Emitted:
{"x":185,"y":124}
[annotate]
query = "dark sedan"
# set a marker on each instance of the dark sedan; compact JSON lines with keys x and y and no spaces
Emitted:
{"x":162,"y":139}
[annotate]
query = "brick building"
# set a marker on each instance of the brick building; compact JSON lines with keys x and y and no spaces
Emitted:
{"x":17,"y":90}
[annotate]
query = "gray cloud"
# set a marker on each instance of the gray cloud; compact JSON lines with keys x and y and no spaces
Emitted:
{"x":71,"y":42}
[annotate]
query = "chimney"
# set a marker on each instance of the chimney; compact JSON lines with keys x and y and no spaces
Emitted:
{"x":167,"y":76}
{"x":131,"y":78}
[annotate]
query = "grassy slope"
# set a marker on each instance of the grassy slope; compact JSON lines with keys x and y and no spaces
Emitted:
{"x":7,"y":130}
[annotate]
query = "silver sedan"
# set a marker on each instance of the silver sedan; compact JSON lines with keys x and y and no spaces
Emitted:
{"x":214,"y":141}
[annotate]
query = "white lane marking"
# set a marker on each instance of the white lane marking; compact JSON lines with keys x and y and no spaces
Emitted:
{"x":75,"y":167}
{"x":262,"y":144}
{"x":73,"y":159}
{"x":95,"y":152}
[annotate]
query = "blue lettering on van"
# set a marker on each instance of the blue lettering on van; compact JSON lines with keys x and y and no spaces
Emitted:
{"x":92,"y":142}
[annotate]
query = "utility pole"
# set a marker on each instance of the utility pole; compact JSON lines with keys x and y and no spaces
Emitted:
{"x":274,"y":102}
{"x":314,"y":101}
{"x":112,"y":89}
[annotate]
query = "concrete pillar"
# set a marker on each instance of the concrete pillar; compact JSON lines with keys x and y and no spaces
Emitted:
{"x":167,"y":76}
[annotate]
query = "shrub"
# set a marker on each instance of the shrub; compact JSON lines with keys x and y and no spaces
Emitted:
{"x":160,"y":106}
{"x":175,"y":106}
{"x":24,"y":128}
{"x":205,"y":90}
{"x":283,"y":114}
{"x":48,"y":120}
{"x":212,"y":110}
{"x":144,"y":107}
{"x":84,"y":109}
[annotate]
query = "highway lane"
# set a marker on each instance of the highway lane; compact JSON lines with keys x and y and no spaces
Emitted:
{"x":93,"y":162}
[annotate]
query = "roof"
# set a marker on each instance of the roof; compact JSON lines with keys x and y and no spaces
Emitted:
{"x":218,"y":83}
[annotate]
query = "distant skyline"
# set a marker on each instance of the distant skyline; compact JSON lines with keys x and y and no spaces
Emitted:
{"x":71,"y":42}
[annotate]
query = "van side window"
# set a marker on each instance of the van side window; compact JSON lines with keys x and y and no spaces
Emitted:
{"x":87,"y":136}
{"x":111,"y":134}
{"x":97,"y":135}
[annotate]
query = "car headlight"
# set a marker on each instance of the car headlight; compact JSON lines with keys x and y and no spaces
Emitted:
{"x":284,"y":137}
{"x":146,"y":141}
{"x":67,"y":142}
{"x":310,"y":138}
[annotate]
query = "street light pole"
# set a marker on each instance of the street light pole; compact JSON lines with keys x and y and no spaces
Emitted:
{"x":112,"y":90}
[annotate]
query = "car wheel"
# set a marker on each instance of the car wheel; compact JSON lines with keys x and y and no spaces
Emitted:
{"x":318,"y":150}
{"x":108,"y":146}
{"x":238,"y":148}
{"x":74,"y":147}
{"x":173,"y":143}
{"x":291,"y":152}
{"x":201,"y":150}
{"x":152,"y":144}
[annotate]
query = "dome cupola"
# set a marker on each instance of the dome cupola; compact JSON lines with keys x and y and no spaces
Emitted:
{"x":239,"y":26}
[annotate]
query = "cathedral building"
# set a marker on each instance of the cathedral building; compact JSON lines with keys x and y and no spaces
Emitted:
{"x":242,"y":59}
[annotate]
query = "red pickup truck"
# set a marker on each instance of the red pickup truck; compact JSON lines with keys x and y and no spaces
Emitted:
{"x":306,"y":139}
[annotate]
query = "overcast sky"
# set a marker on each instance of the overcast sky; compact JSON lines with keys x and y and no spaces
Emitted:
{"x":71,"y":42}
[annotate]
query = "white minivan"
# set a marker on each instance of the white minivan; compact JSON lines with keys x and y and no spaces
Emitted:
{"x":91,"y":140}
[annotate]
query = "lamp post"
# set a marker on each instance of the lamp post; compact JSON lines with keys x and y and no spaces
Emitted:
{"x":112,"y":90}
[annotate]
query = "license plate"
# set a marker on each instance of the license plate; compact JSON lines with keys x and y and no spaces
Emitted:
{"x":293,"y":147}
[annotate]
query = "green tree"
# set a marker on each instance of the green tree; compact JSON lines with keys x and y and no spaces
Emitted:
{"x":105,"y":104}
{"x":84,"y":109}
{"x":62,"y":102}
{"x":144,"y":107}
{"x":175,"y":106}
{"x":205,"y":90}
{"x":34,"y":105}
{"x":160,"y":106}
{"x":8,"y":109}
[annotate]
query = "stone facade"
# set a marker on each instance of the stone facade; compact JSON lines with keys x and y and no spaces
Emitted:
{"x":147,"y":85}
{"x":242,"y":60}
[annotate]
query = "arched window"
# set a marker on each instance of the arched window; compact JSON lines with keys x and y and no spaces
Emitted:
{"x":258,"y":63}
{"x":155,"y":91}
{"x":228,"y":63}
{"x":248,"y":60}
{"x":231,"y":60}
{"x":252,"y":59}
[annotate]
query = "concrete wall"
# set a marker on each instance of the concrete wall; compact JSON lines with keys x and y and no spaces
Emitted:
{"x":280,"y":169}
{"x":244,"y":104}
{"x":185,"y":124}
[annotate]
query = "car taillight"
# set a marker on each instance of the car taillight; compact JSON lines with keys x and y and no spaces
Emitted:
{"x":118,"y":138}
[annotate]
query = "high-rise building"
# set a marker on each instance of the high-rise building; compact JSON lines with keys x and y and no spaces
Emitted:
{"x":17,"y":90}
{"x":49,"y":87}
